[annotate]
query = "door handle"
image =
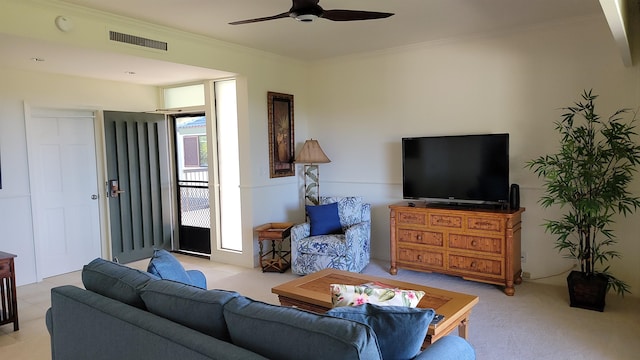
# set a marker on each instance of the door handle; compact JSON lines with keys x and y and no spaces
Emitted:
{"x":113,"y":189}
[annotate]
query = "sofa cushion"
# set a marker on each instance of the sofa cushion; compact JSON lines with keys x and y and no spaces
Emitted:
{"x":188,"y":305}
{"x":165,"y":266}
{"x":88,"y":326}
{"x":374,"y":293}
{"x":116,"y":281}
{"x":400,"y":330}
{"x":283,"y":333}
{"x":324,"y":219}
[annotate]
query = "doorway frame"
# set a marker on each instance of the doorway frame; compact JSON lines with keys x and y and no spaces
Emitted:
{"x":247,"y":256}
{"x":100,"y":160}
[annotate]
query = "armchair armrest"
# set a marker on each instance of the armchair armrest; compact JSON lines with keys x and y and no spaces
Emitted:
{"x":366,"y":212}
{"x":360,"y":230}
{"x":300,"y":231}
{"x":448,"y":348}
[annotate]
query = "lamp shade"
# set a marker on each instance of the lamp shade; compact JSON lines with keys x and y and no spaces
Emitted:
{"x":312,"y":153}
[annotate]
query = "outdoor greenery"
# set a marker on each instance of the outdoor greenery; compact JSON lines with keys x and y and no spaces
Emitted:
{"x":589,"y":178}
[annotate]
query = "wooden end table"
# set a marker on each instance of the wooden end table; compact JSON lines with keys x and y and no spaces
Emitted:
{"x":312,"y":292}
{"x":8,"y":296}
{"x":275,"y":259}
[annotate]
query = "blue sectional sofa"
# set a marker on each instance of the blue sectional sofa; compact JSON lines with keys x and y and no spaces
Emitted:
{"x":128,"y":314}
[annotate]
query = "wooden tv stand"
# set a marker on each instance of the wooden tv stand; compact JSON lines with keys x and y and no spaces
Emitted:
{"x":476,"y":244}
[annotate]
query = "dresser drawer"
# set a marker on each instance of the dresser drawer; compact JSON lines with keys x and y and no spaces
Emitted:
{"x":412,"y":218}
{"x":421,"y":237}
{"x":489,"y":245}
{"x":421,"y":257}
{"x":445,"y":220}
{"x":490,"y":267}
{"x":485,"y":224}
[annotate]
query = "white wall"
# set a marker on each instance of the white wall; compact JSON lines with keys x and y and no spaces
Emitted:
{"x":358,"y":107}
{"x":363,"y":105}
{"x":263,"y":199}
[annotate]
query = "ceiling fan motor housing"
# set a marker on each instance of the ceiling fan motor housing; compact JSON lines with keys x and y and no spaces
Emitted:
{"x":306,"y":14}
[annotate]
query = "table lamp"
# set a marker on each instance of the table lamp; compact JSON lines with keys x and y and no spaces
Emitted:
{"x":310,"y":155}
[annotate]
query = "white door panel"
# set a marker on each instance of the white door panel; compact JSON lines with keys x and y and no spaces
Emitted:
{"x":62,"y":163}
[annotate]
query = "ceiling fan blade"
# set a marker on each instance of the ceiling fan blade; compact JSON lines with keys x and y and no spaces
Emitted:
{"x":279,"y":16}
{"x":352,"y":15}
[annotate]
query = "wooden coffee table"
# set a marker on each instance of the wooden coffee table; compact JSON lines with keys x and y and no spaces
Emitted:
{"x":312,"y":292}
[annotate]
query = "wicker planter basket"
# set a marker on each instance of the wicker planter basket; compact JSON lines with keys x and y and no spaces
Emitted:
{"x":587,"y":292}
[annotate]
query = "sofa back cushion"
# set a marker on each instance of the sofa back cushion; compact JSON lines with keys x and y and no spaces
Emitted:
{"x":116,"y":281}
{"x":285,"y":333}
{"x":188,"y":305}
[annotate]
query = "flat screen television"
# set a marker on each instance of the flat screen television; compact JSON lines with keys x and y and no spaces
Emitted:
{"x":457,"y":170}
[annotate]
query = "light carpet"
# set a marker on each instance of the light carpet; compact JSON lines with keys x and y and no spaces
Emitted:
{"x":536,"y":323}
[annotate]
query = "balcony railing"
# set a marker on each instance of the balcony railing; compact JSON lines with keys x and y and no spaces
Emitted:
{"x":196,"y":174}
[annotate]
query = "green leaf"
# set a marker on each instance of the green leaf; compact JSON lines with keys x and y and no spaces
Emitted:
{"x":387,"y":295}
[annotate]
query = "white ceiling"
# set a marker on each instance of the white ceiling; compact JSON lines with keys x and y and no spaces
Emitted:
{"x":415,"y":21}
{"x":19,"y":53}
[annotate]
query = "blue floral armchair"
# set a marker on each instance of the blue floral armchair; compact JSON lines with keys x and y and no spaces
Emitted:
{"x":350,"y":250}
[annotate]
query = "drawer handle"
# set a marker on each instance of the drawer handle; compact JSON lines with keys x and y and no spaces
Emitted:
{"x":411,"y":217}
{"x":473,"y":264}
{"x":419,"y":237}
{"x":474,"y":243}
{"x":420,"y":257}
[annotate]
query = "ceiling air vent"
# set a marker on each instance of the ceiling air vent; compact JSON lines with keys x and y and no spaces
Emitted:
{"x":137,"y":40}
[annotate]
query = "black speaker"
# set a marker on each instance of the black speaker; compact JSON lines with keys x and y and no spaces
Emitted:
{"x":514,"y":197}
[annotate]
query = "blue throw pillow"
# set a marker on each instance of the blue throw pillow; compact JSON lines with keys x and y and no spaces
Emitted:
{"x":400,"y":330}
{"x":324,"y":219}
{"x":166,"y":266}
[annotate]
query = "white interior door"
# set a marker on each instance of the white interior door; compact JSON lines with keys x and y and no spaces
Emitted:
{"x":64,"y":189}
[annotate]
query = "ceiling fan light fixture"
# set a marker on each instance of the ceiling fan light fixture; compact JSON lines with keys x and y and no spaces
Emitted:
{"x":306,"y":17}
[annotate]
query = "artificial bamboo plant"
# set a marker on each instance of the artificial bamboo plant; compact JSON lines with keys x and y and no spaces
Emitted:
{"x":589,"y":178}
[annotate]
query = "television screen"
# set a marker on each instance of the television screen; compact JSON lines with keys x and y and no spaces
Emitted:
{"x":456,"y":169}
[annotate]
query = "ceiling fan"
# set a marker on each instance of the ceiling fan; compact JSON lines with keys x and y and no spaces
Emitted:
{"x":309,"y":10}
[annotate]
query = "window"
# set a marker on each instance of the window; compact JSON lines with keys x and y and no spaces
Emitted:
{"x":192,"y":146}
{"x":195,"y":151}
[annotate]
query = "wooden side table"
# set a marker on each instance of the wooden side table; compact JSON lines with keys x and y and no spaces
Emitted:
{"x":275,"y":259}
{"x":8,"y":296}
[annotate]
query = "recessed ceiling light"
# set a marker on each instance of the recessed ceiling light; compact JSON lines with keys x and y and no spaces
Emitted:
{"x":37,"y":59}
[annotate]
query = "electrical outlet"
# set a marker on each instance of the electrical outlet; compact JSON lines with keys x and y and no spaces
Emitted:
{"x":523,"y":257}
{"x":526,"y":275}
